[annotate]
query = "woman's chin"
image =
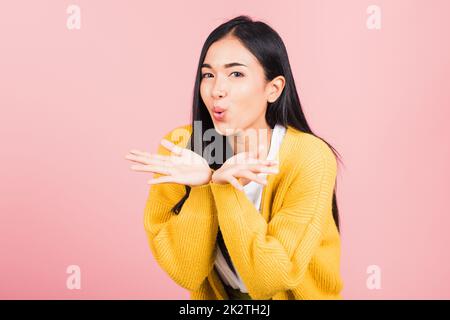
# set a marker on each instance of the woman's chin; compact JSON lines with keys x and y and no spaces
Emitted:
{"x":224,"y":129}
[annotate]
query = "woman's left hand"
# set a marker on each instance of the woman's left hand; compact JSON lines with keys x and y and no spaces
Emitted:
{"x":244,"y":166}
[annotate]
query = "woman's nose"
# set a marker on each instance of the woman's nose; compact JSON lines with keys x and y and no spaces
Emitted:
{"x":218,"y":93}
{"x":218,"y":90}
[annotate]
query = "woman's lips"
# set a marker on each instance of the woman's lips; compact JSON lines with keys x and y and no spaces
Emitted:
{"x":219,"y":116}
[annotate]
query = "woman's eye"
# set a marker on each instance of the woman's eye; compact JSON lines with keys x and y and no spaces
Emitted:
{"x":237,"y":73}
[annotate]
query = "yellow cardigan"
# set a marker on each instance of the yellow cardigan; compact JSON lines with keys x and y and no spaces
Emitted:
{"x":289,"y":251}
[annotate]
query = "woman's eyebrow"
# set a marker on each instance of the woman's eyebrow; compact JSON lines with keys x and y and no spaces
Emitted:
{"x":227,"y":65}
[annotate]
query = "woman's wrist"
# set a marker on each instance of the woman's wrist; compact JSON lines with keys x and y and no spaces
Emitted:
{"x":214,"y":177}
{"x":205,"y":182}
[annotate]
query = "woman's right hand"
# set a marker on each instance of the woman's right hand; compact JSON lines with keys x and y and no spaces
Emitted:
{"x":183,"y":167}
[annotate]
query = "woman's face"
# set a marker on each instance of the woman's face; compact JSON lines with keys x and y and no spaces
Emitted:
{"x":240,"y":90}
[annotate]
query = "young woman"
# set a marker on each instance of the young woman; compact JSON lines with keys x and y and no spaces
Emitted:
{"x":259,"y":221}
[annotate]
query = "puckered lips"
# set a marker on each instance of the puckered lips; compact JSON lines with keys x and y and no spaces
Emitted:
{"x":219,"y":113}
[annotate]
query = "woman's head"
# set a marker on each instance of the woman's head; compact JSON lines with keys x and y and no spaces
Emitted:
{"x":260,"y":95}
{"x":234,"y":83}
{"x":266,"y":95}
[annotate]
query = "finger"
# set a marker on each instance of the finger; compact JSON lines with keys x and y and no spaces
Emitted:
{"x":235,"y":183}
{"x":252,"y":157}
{"x":244,"y":158}
{"x":264,"y":169}
{"x":161,"y":162}
{"x":249,"y":157}
{"x":152,"y":168}
{"x":135,"y":158}
{"x":150,"y":155}
{"x":156,"y":162}
{"x":150,"y":159}
{"x":251,"y":176}
{"x":140,"y":153}
{"x":269,"y":162}
{"x":258,"y":157}
{"x":171,"y":146}
{"x":163,"y":179}
{"x":145,"y":160}
{"x":238,"y":158}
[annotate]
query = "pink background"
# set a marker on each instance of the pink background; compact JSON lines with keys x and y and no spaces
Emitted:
{"x":74,"y":102}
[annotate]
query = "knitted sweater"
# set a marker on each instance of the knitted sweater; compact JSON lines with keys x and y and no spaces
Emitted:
{"x":253,"y":190}
{"x":288,"y":251}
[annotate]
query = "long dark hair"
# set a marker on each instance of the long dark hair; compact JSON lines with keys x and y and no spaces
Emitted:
{"x":268,"y":47}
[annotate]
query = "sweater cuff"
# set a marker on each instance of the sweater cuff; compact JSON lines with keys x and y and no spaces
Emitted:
{"x":222,"y":186}
{"x":204,"y":189}
{"x":203,"y":198}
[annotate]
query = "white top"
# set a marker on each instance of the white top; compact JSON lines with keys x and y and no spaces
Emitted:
{"x":253,"y":190}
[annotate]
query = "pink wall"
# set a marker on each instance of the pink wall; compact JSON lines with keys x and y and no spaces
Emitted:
{"x":74,"y":102}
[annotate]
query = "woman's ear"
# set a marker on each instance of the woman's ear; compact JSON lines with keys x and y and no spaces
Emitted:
{"x":275,"y":88}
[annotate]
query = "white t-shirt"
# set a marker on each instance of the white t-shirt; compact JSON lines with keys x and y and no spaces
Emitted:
{"x":253,"y":191}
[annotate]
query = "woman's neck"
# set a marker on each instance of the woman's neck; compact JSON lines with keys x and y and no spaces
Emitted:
{"x":249,"y":140}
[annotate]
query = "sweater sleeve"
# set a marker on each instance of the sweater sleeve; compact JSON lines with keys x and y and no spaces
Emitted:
{"x":274,"y":256}
{"x":183,"y":244}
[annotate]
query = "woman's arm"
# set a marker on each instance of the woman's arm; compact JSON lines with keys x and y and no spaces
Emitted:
{"x":274,"y":256}
{"x":183,"y":244}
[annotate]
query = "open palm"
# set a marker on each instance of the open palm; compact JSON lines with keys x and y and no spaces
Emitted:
{"x":183,"y":166}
